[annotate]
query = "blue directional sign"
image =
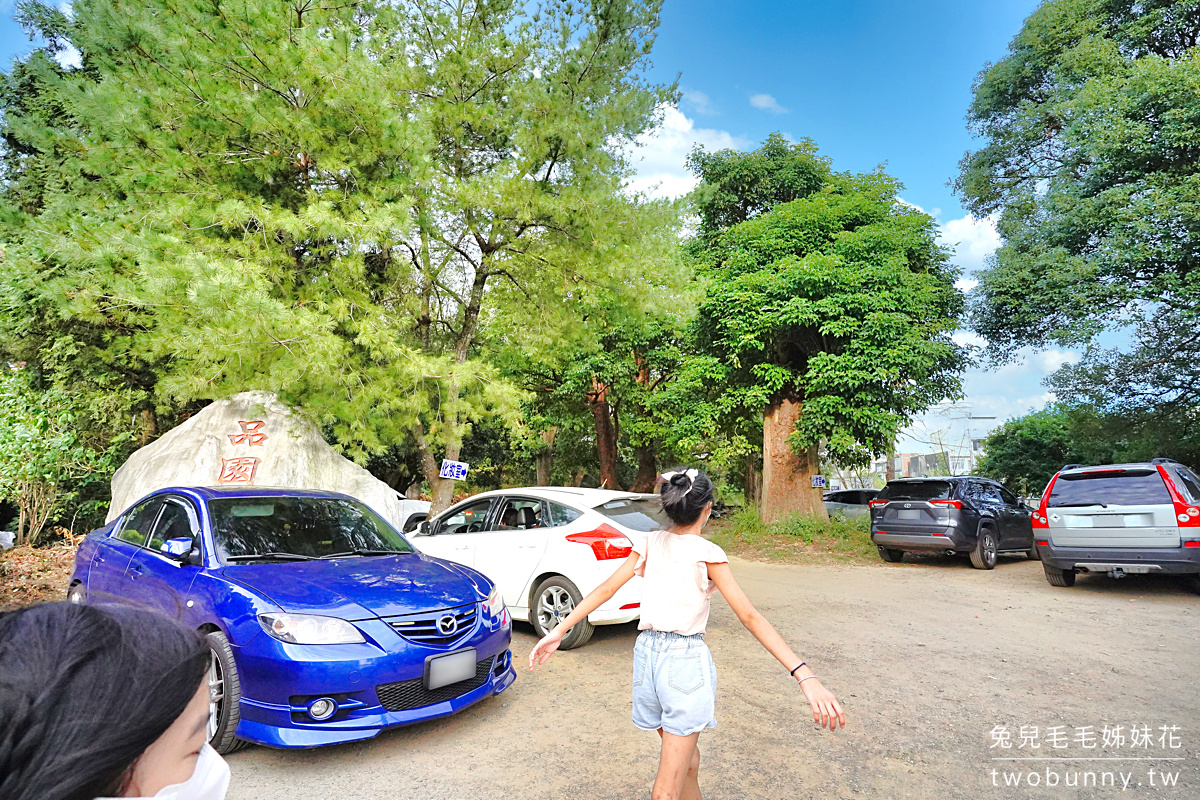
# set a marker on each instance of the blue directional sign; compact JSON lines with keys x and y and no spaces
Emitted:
{"x":818,"y":481}
{"x":454,"y":470}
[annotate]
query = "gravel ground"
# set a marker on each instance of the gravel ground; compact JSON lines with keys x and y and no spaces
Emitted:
{"x":926,"y":658}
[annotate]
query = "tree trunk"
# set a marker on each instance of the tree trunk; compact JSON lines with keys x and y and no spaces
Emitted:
{"x":544,"y":460}
{"x":441,"y":490}
{"x":606,"y":435}
{"x":787,"y":475}
{"x":752,"y":491}
{"x":580,"y":474}
{"x":890,"y":471}
{"x":647,"y":474}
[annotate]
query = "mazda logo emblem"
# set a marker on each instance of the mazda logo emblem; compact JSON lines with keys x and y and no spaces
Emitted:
{"x":447,"y":625}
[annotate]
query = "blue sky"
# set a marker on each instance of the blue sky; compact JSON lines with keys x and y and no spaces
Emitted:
{"x":870,"y":81}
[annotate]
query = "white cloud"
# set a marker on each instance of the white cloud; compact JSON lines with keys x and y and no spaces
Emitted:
{"x":1050,"y":360}
{"x":973,"y":241}
{"x":700,"y":103}
{"x":969,"y":338}
{"x":765,"y":102}
{"x":69,"y":57}
{"x":660,"y":155}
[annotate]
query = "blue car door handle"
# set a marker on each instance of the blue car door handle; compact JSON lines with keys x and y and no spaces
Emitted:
{"x":135,"y":570}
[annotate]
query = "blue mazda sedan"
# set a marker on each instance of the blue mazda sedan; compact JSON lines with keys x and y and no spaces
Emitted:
{"x":325,"y":625}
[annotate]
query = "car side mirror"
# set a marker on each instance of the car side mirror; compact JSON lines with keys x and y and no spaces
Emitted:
{"x":180,"y":549}
{"x":423,"y":528}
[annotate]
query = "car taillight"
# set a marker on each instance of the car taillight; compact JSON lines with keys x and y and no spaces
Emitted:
{"x":1038,"y":518}
{"x":877,"y":503}
{"x":1043,"y":543}
{"x":946,"y":503}
{"x":606,"y":542}
{"x":630,"y":606}
{"x":1187,"y":515}
{"x":1192,"y":544}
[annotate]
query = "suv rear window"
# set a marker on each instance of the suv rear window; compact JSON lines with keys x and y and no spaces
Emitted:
{"x":635,"y":513}
{"x":915,"y":490}
{"x":1131,"y":488}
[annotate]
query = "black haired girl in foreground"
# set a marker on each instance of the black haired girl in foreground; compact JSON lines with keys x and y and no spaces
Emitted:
{"x":104,"y":702}
{"x":674,"y":678}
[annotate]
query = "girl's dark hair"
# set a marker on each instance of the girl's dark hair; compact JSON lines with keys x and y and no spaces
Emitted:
{"x":84,"y":690}
{"x":685,"y":493}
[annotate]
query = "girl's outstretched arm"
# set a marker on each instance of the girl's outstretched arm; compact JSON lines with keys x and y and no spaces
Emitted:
{"x":825,"y":707}
{"x":599,"y":596}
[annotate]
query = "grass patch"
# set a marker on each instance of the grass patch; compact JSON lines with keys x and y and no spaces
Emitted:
{"x":798,"y":539}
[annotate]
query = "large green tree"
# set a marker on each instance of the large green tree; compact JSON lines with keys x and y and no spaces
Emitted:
{"x":1091,"y":129}
{"x":321,"y":199}
{"x":829,"y":316}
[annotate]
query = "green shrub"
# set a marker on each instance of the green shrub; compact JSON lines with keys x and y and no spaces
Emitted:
{"x":839,"y":535}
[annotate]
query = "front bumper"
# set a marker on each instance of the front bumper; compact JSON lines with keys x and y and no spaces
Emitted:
{"x":931,"y":540}
{"x":1157,"y":560}
{"x":279,"y":680}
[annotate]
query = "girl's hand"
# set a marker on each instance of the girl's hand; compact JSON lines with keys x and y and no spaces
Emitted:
{"x":825,"y":708}
{"x":545,"y":648}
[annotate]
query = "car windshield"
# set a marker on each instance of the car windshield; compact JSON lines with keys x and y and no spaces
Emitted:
{"x":915,"y":490}
{"x":307,"y":527}
{"x":1140,"y":488}
{"x":639,"y":514}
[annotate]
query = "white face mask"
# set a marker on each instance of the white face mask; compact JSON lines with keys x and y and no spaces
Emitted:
{"x":209,"y":781}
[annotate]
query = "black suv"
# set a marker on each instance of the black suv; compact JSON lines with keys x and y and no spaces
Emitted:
{"x":966,"y":515}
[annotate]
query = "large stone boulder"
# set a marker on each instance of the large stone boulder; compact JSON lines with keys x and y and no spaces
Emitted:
{"x":250,"y":439}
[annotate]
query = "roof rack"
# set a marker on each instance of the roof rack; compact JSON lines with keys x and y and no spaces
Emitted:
{"x":1071,"y":466}
{"x":1157,"y":461}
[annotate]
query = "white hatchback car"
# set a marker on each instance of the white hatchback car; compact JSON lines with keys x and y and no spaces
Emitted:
{"x":546,"y":548}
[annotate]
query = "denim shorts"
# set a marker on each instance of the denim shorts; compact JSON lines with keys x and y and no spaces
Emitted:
{"x":674,"y":683}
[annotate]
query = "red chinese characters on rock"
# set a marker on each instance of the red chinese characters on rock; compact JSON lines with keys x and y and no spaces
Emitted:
{"x":251,"y":434}
{"x":238,"y":470}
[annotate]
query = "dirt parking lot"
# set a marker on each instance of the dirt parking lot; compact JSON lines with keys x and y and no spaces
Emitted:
{"x":928,"y":659}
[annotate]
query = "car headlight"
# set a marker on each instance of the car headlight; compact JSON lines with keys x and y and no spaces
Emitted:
{"x":494,"y":604}
{"x":309,"y":629}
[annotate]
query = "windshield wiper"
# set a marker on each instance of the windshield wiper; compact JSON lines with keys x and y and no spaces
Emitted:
{"x":276,"y":556}
{"x":362,"y":551}
{"x":1078,"y":505}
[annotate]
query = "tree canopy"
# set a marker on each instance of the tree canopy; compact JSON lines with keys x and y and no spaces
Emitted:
{"x":839,"y":302}
{"x":1091,"y":128}
{"x":322,"y":200}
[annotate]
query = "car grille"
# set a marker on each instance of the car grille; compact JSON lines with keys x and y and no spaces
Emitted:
{"x":423,"y":628}
{"x":406,"y":695}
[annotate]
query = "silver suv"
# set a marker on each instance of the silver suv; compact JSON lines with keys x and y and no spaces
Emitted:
{"x":1120,"y":519}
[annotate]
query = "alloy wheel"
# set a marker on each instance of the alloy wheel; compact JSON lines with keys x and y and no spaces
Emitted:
{"x":216,"y":694}
{"x":989,"y":549}
{"x":554,"y":606}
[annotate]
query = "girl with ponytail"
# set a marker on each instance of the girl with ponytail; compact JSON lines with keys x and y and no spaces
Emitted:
{"x":674,"y":678}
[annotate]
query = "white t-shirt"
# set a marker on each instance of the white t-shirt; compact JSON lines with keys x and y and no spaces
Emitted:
{"x":676,"y":588}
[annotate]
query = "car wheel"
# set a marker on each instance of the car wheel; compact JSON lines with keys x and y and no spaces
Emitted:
{"x":1193,"y":581}
{"x":1059,"y":577}
{"x":1033,"y":554}
{"x":224,"y":696}
{"x":77,"y":594}
{"x":984,"y":554}
{"x":891,"y":556}
{"x":553,"y":600}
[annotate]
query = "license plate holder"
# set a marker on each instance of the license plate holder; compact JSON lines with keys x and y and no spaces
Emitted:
{"x":447,"y":668}
{"x":909,"y":513}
